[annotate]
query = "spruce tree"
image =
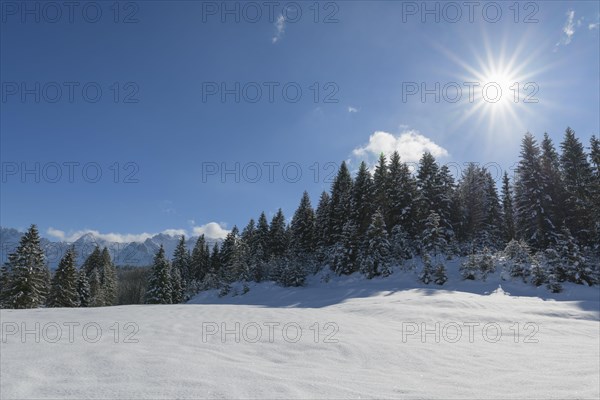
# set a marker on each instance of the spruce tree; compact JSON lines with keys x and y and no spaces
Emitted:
{"x":93,"y":267}
{"x":533,"y":221}
{"x":578,"y":184}
{"x":402,"y":193}
{"x":182,"y":262}
{"x":322,"y":228}
{"x":302,"y":228}
{"x":199,"y":261}
{"x":380,"y":186}
{"x":63,"y":289}
{"x":345,"y":251}
{"x":376,"y":261}
{"x":109,"y":279}
{"x":28,"y":273}
{"x":83,"y":289}
{"x":439,"y":274}
{"x":433,"y":240}
{"x":508,"y":215}
{"x":340,"y":204}
{"x":263,"y":237}
{"x":278,"y":239}
{"x":362,"y":200}
{"x":159,"y":289}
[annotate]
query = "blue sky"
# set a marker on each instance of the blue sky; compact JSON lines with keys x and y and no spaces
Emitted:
{"x":165,"y":125}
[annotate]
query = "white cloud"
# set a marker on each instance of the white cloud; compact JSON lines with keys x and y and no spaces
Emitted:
{"x":410,"y":144}
{"x":212,"y":230}
{"x":593,"y":26}
{"x":568,"y":30}
{"x":352,"y":109}
{"x":280,"y":29}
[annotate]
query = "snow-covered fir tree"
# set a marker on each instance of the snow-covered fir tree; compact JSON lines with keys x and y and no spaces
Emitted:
{"x":28,"y":282}
{"x":84,"y":295}
{"x":159,"y":289}
{"x":63,"y":289}
{"x":376,"y":260}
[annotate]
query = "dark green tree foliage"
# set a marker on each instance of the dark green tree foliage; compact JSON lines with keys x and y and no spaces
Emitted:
{"x":278,"y":238}
{"x":362,"y":200}
{"x":345,"y":251}
{"x":578,"y":184}
{"x":533,"y":221}
{"x":228,"y":256}
{"x":93,"y":266}
{"x":63,"y":289}
{"x":263,"y":238}
{"x":200,"y":260}
{"x":28,"y":274}
{"x":433,"y":239}
{"x":380,"y":186}
{"x":595,"y":157}
{"x":322,"y":227}
{"x":376,"y":260}
{"x":159,"y":289}
{"x":555,"y":195}
{"x":508,"y":214}
{"x":182,"y":261}
{"x":302,"y":228}
{"x":340,"y":204}
{"x":401,"y":192}
{"x":84,"y":295}
{"x":434,"y":194}
{"x":108,"y":279}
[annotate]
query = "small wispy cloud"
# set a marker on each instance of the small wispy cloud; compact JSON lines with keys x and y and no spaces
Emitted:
{"x":594,"y":25}
{"x":279,"y":29}
{"x":352,"y":109}
{"x":568,"y":30}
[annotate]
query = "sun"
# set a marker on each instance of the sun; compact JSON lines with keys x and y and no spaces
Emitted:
{"x":500,"y":81}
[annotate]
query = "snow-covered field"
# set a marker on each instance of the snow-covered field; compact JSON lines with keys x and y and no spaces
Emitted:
{"x":349,"y":338}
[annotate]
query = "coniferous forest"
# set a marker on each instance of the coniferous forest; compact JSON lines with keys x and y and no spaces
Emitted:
{"x":541,"y":225}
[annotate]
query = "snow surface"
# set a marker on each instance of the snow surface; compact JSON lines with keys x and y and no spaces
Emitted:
{"x":367,"y":357}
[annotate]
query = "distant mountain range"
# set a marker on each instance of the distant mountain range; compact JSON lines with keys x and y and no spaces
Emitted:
{"x":131,"y":253}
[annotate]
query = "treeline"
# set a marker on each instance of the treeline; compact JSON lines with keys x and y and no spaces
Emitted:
{"x":26,"y":282}
{"x":544,"y":227}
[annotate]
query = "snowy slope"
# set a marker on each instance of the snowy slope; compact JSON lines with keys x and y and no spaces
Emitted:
{"x":367,"y":355}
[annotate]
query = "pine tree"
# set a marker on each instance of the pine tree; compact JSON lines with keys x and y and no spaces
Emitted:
{"x":340,"y":204}
{"x":177,"y":293}
{"x":439,"y":275}
{"x":533,"y":222}
{"x":554,"y":193}
{"x":322,"y":228}
{"x":93,"y":267}
{"x":508,"y":215}
{"x":4,"y":285}
{"x":345,"y":251}
{"x":227,"y":274}
{"x":83,"y":289}
{"x":182,"y":261}
{"x":211,"y":279}
{"x":400,"y":245}
{"x":469,"y":269}
{"x":578,"y":184}
{"x":109,"y":279}
{"x":302,"y":228}
{"x":537,"y":273}
{"x":278,"y":238}
{"x":433,"y":240}
{"x":595,"y":157}
{"x":401,"y":192}
{"x":376,"y":261}
{"x":518,"y":259}
{"x":426,"y":274}
{"x":159,"y":284}
{"x":380,"y":186}
{"x":63,"y":290}
{"x":263,"y":237}
{"x":576,"y":267}
{"x":362,"y":200}
{"x":28,"y":273}
{"x":199,"y":261}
